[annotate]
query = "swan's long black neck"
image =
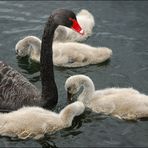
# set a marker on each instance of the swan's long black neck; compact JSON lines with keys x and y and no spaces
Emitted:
{"x":49,"y":88}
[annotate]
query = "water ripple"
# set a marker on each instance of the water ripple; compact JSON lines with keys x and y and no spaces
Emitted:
{"x":34,"y":21}
{"x":114,"y":36}
{"x":3,"y":2}
{"x":140,"y":70}
{"x":122,"y":37}
{"x":112,"y":142}
{"x":25,"y":13}
{"x":118,"y":75}
{"x":6,"y":17}
{"x":17,"y":30}
{"x":21,"y":19}
{"x":11,"y":4}
{"x":6,"y":10}
{"x":12,"y":18}
{"x":102,"y":33}
{"x":18,"y":5}
{"x":142,"y":53}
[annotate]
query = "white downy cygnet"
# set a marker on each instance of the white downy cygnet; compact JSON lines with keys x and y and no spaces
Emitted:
{"x":67,"y":54}
{"x":124,"y":103}
{"x":34,"y":122}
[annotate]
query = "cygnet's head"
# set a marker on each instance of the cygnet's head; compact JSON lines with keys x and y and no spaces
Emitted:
{"x":21,"y":48}
{"x":66,"y":18}
{"x":77,"y":108}
{"x":27,"y":45}
{"x":74,"y":83}
{"x":72,"y":87}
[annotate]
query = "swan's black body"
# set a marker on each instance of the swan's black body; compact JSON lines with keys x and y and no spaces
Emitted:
{"x":16,"y":91}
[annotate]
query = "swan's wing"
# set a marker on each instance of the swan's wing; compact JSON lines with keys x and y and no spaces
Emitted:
{"x":15,"y":89}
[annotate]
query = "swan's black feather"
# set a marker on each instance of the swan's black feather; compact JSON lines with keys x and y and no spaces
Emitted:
{"x":15,"y":90}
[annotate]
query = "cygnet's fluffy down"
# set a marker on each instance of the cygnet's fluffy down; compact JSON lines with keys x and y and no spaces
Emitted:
{"x":86,"y":21}
{"x":124,"y":103}
{"x":34,"y":122}
{"x":67,"y":54}
{"x":72,"y":54}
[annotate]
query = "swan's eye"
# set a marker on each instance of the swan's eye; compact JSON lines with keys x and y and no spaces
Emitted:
{"x":72,"y":89}
{"x":71,"y":19}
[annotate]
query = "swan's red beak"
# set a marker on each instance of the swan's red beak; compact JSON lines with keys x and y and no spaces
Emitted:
{"x":75,"y":26}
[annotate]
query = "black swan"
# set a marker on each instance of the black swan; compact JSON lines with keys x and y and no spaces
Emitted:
{"x":16,"y":91}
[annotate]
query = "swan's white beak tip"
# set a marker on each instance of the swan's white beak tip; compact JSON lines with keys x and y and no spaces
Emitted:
{"x":81,"y":32}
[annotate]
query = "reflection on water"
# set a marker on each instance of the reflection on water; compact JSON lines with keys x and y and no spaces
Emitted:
{"x":121,"y":26}
{"x":30,"y":66}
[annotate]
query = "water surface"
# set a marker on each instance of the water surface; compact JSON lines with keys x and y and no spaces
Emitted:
{"x":121,"y":26}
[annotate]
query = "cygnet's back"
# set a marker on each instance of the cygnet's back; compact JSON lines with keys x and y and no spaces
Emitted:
{"x":34,"y":122}
{"x":73,"y":54}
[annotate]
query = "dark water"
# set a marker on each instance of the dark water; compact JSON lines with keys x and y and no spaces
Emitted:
{"x":121,"y":26}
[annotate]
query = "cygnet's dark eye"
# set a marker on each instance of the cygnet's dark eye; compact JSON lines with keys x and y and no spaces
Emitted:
{"x":68,"y":89}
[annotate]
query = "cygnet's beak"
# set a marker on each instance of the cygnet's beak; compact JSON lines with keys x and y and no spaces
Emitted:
{"x":16,"y":51}
{"x":76,"y":27}
{"x":69,"y":97}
